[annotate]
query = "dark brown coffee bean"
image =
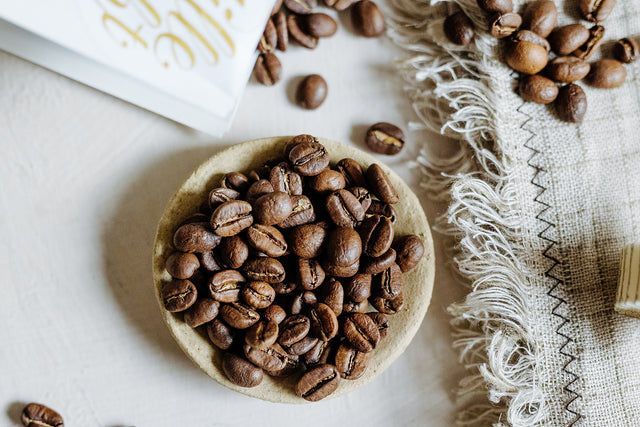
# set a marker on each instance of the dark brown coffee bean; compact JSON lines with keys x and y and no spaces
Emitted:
{"x":527,"y":52}
{"x":607,"y":74}
{"x":351,"y":363}
{"x":269,"y":38}
{"x":282,"y":31}
{"x":240,"y":371}
{"x":504,"y":25}
{"x":319,"y":353}
{"x":268,"y":69}
{"x":257,"y":189}
{"x":298,"y":139}
{"x":274,"y":313}
{"x":352,"y":171}
{"x":388,"y":306}
{"x":297,"y":32}
{"x":238,"y":315}
{"x":458,"y":28}
{"x":319,"y":25}
{"x":361,"y":332}
{"x":218,"y":196}
{"x":284,"y":288}
{"x":301,"y":300}
{"x":596,"y":10}
{"x":178,"y":295}
{"x":196,"y":217}
{"x":327,"y":181}
{"x":311,"y":92}
{"x":302,"y":346}
{"x":626,"y":50}
{"x":344,"y":209}
{"x":264,"y":269}
{"x":233,"y":251}
{"x":272,"y":208}
{"x":262,"y":334}
{"x":230,"y":218}
{"x":501,"y":6}
{"x":309,"y":158}
{"x":220,"y":334}
{"x":567,"y":69}
{"x":344,"y":247}
{"x":195,"y":237}
{"x":253,"y":176}
{"x":302,"y":212}
{"x":540,"y":17}
{"x":236,"y":181}
{"x":571,"y":103}
{"x":363,"y":196}
{"x":564,"y":40}
{"x":291,"y":364}
{"x":267,"y":239}
{"x":225,"y":285}
{"x":380,"y":208}
{"x":301,"y":7}
{"x":38,"y":415}
{"x":409,"y":250}
{"x":376,"y":233}
{"x":351,"y":306}
{"x":307,"y":240}
{"x":358,"y":288}
{"x":324,"y":323}
{"x":596,"y":33}
{"x":367,"y":19}
{"x":181,"y":265}
{"x":389,"y":283}
{"x":318,"y":383}
{"x":382,"y":322}
{"x":339,"y":5}
{"x":385,"y":138}
{"x":333,"y":295}
{"x":310,"y":273}
{"x":293,"y":329}
{"x":339,"y":270}
{"x":377,"y":265}
{"x":380,"y":184}
{"x":202,"y":311}
{"x":538,"y":89}
{"x":271,"y":358}
{"x":258,"y":294}
{"x":284,"y":179}
{"x":209,"y":261}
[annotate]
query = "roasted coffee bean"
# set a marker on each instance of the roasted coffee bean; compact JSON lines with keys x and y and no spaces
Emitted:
{"x":257,"y":189}
{"x":269,"y":38}
{"x":238,"y":315}
{"x":327,"y":181}
{"x":344,"y":246}
{"x":527,"y":52}
{"x":324,"y":323}
{"x":267,"y":239}
{"x":268,"y":69}
{"x":333,"y":295}
{"x":202,"y":311}
{"x":301,"y":300}
{"x":339,"y":270}
{"x":458,"y":28}
{"x":309,"y":158}
{"x":388,"y":284}
{"x":319,"y":25}
{"x":230,"y":218}
{"x":607,"y":74}
{"x":501,"y":6}
{"x":318,"y":383}
{"x":626,"y":50}
{"x":272,"y":208}
{"x":567,"y":69}
{"x":220,"y":334}
{"x":307,"y":240}
{"x":376,"y":233}
{"x":181,"y":265}
{"x":236,"y":181}
{"x":352,"y":171}
{"x":262,"y":334}
{"x":351,"y":306}
{"x":380,"y":184}
{"x":240,"y":371}
{"x":297,"y":33}
{"x":367,"y":19}
{"x":344,"y":209}
{"x":363,"y":196}
{"x":282,"y":31}
{"x":178,"y":295}
{"x":284,"y":288}
{"x":388,"y":306}
{"x":382,"y":322}
{"x":218,"y":196}
{"x":274,"y":313}
{"x":302,"y":212}
{"x":538,"y":89}
{"x":318,"y":354}
{"x":284,"y":179}
{"x":253,"y":176}
{"x":293,"y":329}
{"x":225,"y":285}
{"x":409,"y":250}
{"x":195,"y":237}
{"x":377,"y":265}
{"x":351,"y":363}
{"x":380,"y":208}
{"x":311,"y":92}
{"x":196,"y":217}
{"x":233,"y":251}
{"x":298,"y":139}
{"x":385,"y":138}
{"x":38,"y":415}
{"x":361,"y":332}
{"x":358,"y":288}
{"x":271,"y":358}
{"x":258,"y":294}
{"x":301,"y":7}
{"x":571,"y":103}
{"x":276,"y":7}
{"x":290,"y":366}
{"x":302,"y":346}
{"x":540,"y":17}
{"x":210,"y":262}
{"x":596,"y":10}
{"x":564,"y":40}
{"x":596,"y":33}
{"x":310,"y":273}
{"x":264,"y":269}
{"x":339,"y":5}
{"x":504,"y":25}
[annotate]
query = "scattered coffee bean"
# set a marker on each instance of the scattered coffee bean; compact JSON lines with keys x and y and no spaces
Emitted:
{"x":344,"y":246}
{"x":564,"y":40}
{"x":218,"y":196}
{"x":333,"y":295}
{"x":311,"y":92}
{"x":302,"y":212}
{"x":344,"y":209}
{"x":318,"y":354}
{"x":376,"y":233}
{"x":596,"y":10}
{"x":307,"y":240}
{"x":269,"y":38}
{"x":538,"y":89}
{"x":385,"y":138}
{"x":257,"y":189}
{"x":567,"y":69}
{"x":235,"y":181}
{"x":607,"y":74}
{"x":352,"y":171}
{"x":318,"y":382}
{"x":458,"y":28}
{"x":295,"y":26}
{"x":626,"y":50}
{"x":363,"y":196}
{"x":389,"y":283}
{"x":351,"y":363}
{"x":302,"y":346}
{"x":504,"y":25}
{"x":409,"y":250}
{"x":268,"y":69}
{"x":367,"y":20}
{"x":340,"y":270}
{"x":500,"y":6}
{"x":540,"y":17}
{"x":233,"y":251}
{"x":596,"y":33}
{"x":310,"y":273}
{"x":527,"y":52}
{"x":282,"y":31}
{"x":178,"y":295}
{"x":283,"y":178}
{"x":571,"y":103}
{"x":351,"y":306}
{"x":181,"y":265}
{"x":380,"y":208}
{"x":202,"y":311}
{"x":320,"y":25}
{"x":324,"y":322}
{"x":38,"y":415}
{"x":240,"y":371}
{"x":388,"y":306}
{"x":380,"y":185}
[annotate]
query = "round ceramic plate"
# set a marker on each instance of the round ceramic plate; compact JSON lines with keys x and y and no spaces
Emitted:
{"x":418,"y":283}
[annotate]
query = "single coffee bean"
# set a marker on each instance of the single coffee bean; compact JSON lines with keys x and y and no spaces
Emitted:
{"x":318,"y":383}
{"x":293,"y":329}
{"x":327,"y":181}
{"x":310,"y":273}
{"x":257,"y":189}
{"x":500,"y":6}
{"x":351,"y":306}
{"x":318,"y":354}
{"x":344,"y":246}
{"x":307,"y":240}
{"x":352,"y":171}
{"x":269,"y":38}
{"x":376,"y":233}
{"x":388,"y":284}
{"x":210,"y":262}
{"x":339,"y":5}
{"x":540,"y":17}
{"x":363,"y":196}
{"x":626,"y":50}
{"x":225,"y":285}
{"x":409,"y":250}
{"x":384,"y":209}
{"x":564,"y":40}
{"x":311,"y":92}
{"x":181,"y":265}
{"x":302,"y":212}
{"x":344,"y":209}
{"x":38,"y":415}
{"x":302,"y":346}
{"x":267,"y":69}
{"x":333,"y":295}
{"x":284,"y":288}
{"x":596,"y":33}
{"x":218,"y":196}
{"x":301,"y":7}
{"x":297,"y":32}
{"x":282,"y":31}
{"x":358,"y":288}
{"x":388,"y":306}
{"x":195,"y":237}
{"x":382,"y":322}
{"x":262,"y":334}
{"x":339,"y":270}
{"x":367,"y":19}
{"x":380,"y":184}
{"x":236,"y":181}
{"x":230,"y":218}
{"x":267,"y":239}
{"x":275,"y":313}
{"x":272,"y":208}
{"x":298,"y":139}
{"x":240,"y":371}
{"x":258,"y":294}
{"x":271,"y":358}
{"x":567,"y":69}
{"x":319,"y":25}
{"x":283,"y":179}
{"x":220,"y":334}
{"x":385,"y":138}
{"x":537,"y":88}
{"x":238,"y":315}
{"x":458,"y":28}
{"x":351,"y":363}
{"x":233,"y":251}
{"x":264,"y":269}
{"x":324,"y":323}
{"x":607,"y":74}
{"x":596,"y":10}
{"x":309,"y":158}
{"x":291,"y":364}
{"x":202,"y":311}
{"x":178,"y":295}
{"x":527,"y":52}
{"x":361,"y":332}
{"x":377,"y":265}
{"x":504,"y":25}
{"x":301,"y":300}
{"x":571,"y":103}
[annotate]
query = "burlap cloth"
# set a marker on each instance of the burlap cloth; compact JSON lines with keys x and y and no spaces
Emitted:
{"x":540,"y":211}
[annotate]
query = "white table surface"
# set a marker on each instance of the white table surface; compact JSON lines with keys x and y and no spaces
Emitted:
{"x":84,"y":178}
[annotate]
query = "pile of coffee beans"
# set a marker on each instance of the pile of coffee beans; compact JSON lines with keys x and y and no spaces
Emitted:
{"x":297,"y":21}
{"x":283,"y":264}
{"x":38,"y":415}
{"x":532,"y":39}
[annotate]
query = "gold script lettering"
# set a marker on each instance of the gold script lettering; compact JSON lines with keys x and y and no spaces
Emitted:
{"x":214,"y":24}
{"x":107,"y":17}
{"x":175,"y":40}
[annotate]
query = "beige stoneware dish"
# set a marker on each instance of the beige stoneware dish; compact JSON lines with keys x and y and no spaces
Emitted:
{"x":418,"y":283}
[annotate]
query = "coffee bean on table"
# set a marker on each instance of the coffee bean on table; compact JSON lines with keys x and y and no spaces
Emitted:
{"x":538,"y":89}
{"x":385,"y":138}
{"x":262,"y":334}
{"x":297,"y":33}
{"x":607,"y":74}
{"x":389,"y":283}
{"x":377,"y":265}
{"x":376,"y":233}
{"x":409,"y":250}
{"x":564,"y":40}
{"x":567,"y":69}
{"x":202,"y":311}
{"x":275,"y":313}
{"x":230,"y":218}
{"x":501,"y":6}
{"x":596,"y":33}
{"x":282,"y":31}
{"x":344,"y":246}
{"x":352,"y":171}
{"x":367,"y":19}
{"x":327,"y":181}
{"x":264,"y":269}
{"x":351,"y":363}
{"x":269,"y":38}
{"x":324,"y":322}
{"x":358,"y":287}
{"x":318,"y":382}
{"x":238,"y":315}
{"x":258,"y":294}
{"x":225,"y":285}
{"x":293,"y":329}
{"x":380,"y":184}
{"x":240,"y":371}
{"x":38,"y":415}
{"x":182,"y":265}
{"x":310,"y":273}
{"x":540,"y":17}
{"x":388,"y":306}
{"x":267,"y":69}
{"x":301,"y":7}
{"x":302,"y":212}
{"x":178,"y":295}
{"x":571,"y":103}
{"x":458,"y":28}
{"x":361,"y":332}
{"x":311,"y":92}
{"x":307,"y":240}
{"x":596,"y":10}
{"x":233,"y":251}
{"x":309,"y":158}
{"x":382,"y":322}
{"x":344,"y":209}
{"x":220,"y":334}
{"x":195,"y":237}
{"x":272,"y":208}
{"x":319,"y":25}
{"x":267,"y":239}
{"x":527,"y":52}
{"x":504,"y":25}
{"x":626,"y":50}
